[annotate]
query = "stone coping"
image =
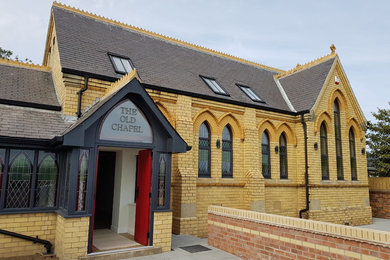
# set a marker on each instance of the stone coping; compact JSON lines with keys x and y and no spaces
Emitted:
{"x":329,"y":229}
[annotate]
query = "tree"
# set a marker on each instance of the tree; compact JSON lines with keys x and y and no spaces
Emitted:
{"x":7,"y":54}
{"x":378,"y":140}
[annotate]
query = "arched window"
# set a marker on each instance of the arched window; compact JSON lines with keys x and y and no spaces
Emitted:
{"x":265,"y":156}
{"x":324,"y":152}
{"x":2,"y":156}
{"x":82,"y":180}
{"x":337,"y":133}
{"x":46,"y":186}
{"x":204,"y":153}
{"x":352,"y":154}
{"x":227,"y":153}
{"x":161,"y":181}
{"x":283,"y":156}
{"x":19,"y":182}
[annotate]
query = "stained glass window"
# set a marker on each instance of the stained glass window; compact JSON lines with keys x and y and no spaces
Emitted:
{"x":337,"y":133}
{"x":204,"y":151}
{"x":324,"y":152}
{"x":265,"y":156}
{"x":227,"y":152}
{"x":161,"y":181}
{"x":46,"y":183}
{"x":283,"y":157}
{"x":352,"y":153}
{"x":19,"y":182}
{"x":82,"y":180}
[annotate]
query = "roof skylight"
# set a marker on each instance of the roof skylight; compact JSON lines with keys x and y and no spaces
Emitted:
{"x":249,"y":92}
{"x":121,"y":65}
{"x":214,"y":85}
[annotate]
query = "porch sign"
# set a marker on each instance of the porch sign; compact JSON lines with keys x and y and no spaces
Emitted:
{"x":125,"y":122}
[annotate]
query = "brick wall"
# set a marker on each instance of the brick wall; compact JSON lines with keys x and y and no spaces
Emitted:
{"x":380,"y":197}
{"x":162,"y":230}
{"x":71,"y":237}
{"x":253,"y":235}
{"x":42,"y":225}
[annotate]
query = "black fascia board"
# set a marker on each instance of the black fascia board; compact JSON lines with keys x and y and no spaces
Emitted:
{"x":29,"y":104}
{"x":89,"y":74}
{"x":233,"y":102}
{"x":186,"y":93}
{"x":23,"y":142}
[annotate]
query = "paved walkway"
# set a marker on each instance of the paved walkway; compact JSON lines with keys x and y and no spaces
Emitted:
{"x":187,"y":240}
{"x":379,"y":224}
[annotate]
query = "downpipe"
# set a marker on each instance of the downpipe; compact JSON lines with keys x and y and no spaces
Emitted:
{"x":306,"y":169}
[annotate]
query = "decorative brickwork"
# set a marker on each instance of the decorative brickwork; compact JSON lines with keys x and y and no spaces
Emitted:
{"x":162,"y":230}
{"x":380,"y":197}
{"x":253,"y":235}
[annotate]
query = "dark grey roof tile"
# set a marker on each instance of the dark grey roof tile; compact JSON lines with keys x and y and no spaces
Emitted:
{"x":84,"y":44}
{"x":303,"y":87}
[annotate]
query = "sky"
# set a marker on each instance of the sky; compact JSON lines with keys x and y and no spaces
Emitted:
{"x":275,"y":33}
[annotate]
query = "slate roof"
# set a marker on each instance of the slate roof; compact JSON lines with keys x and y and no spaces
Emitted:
{"x":31,"y":122}
{"x":303,"y":87}
{"x":27,"y":85}
{"x":19,"y":83}
{"x":84,"y":44}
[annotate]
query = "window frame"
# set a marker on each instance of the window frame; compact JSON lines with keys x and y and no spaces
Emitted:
{"x":121,"y":57}
{"x":352,"y":155}
{"x":205,"y":78}
{"x":338,"y":140}
{"x":208,"y":148}
{"x":324,"y":157}
{"x":268,"y":149}
{"x":281,"y":155}
{"x":258,"y":98}
{"x":230,"y":174}
{"x":53,"y":157}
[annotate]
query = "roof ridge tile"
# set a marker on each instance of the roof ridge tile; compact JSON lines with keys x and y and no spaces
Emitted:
{"x":164,"y":37}
{"x":307,"y":65}
{"x":21,"y":64}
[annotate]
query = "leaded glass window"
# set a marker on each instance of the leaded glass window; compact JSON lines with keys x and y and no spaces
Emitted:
{"x":2,"y":159}
{"x":352,"y":153}
{"x":337,"y":132}
{"x":324,"y":152}
{"x":19,"y":182}
{"x":46,"y":183}
{"x":283,"y":157}
{"x":265,"y":156}
{"x":161,"y":181}
{"x":227,"y":152}
{"x":204,"y":152}
{"x":82,"y":180}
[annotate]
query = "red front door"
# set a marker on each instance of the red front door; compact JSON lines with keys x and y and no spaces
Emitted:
{"x":144,"y":177}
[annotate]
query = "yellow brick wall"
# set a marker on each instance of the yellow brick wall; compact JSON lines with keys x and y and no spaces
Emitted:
{"x":42,"y":225}
{"x":162,"y":230}
{"x":71,"y":237}
{"x":191,"y":195}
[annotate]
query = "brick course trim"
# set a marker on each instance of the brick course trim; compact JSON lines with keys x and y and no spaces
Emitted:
{"x":253,"y":235}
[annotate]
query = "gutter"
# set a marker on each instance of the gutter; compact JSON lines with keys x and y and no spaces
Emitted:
{"x":306,"y":209}
{"x":80,"y":94}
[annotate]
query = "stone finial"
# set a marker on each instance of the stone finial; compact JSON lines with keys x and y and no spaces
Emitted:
{"x":332,"y":48}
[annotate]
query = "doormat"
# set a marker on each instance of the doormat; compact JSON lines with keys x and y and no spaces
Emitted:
{"x":195,"y":248}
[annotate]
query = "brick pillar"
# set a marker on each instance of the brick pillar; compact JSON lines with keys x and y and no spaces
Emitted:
{"x":184,"y":175}
{"x":255,"y":180}
{"x":71,"y":237}
{"x":162,"y":230}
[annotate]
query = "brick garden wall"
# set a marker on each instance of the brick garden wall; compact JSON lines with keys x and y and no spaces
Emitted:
{"x":253,"y":235}
{"x":380,"y":197}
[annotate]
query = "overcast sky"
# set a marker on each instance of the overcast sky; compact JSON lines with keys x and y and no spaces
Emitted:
{"x":276,"y":33}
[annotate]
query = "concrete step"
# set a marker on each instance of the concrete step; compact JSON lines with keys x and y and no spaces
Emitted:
{"x":123,"y":253}
{"x":31,"y":257}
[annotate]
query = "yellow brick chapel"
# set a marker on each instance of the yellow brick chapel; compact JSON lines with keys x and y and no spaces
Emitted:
{"x":128,"y":133}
